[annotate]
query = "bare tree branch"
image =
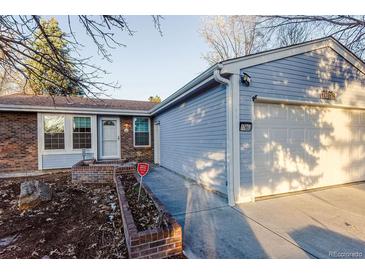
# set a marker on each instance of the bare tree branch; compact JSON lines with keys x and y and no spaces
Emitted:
{"x":17,"y":36}
{"x":232,"y":36}
{"x":348,"y":29}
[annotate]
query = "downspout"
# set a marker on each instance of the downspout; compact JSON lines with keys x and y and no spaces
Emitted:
{"x":229,"y":143}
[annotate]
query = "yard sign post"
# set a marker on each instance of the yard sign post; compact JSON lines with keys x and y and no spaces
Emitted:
{"x":142,"y":169}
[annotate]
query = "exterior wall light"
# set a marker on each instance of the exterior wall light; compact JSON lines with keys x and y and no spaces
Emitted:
{"x":126,"y":127}
{"x":245,"y":79}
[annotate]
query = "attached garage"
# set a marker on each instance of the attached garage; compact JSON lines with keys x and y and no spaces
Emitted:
{"x":307,"y":109}
{"x":274,"y":122}
{"x":299,"y":147}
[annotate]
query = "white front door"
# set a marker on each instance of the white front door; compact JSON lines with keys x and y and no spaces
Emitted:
{"x":110,"y":138}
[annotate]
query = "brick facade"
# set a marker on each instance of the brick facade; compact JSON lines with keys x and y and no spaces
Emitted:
{"x":128,"y":151}
{"x":19,"y":144}
{"x":18,"y":141}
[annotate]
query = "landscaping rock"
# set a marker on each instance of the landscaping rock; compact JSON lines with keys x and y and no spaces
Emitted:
{"x":32,"y":193}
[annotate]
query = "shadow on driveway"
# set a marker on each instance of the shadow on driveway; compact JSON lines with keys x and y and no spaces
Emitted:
{"x":211,"y":228}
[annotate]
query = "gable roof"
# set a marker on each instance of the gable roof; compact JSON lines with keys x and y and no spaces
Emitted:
{"x":74,"y":104}
{"x":287,"y":51}
{"x":234,"y":65}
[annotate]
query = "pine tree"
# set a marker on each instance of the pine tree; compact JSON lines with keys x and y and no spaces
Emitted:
{"x":154,"y":99}
{"x":57,"y":82}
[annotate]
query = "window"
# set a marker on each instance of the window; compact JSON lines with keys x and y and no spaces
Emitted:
{"x":54,"y":132}
{"x":108,"y":123}
{"x":81,"y":133}
{"x":141,"y":131}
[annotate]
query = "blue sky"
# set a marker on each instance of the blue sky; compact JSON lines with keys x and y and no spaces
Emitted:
{"x":150,"y":64}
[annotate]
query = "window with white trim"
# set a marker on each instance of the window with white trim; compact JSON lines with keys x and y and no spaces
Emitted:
{"x":54,"y":132}
{"x":81,"y":132}
{"x":142,"y":132}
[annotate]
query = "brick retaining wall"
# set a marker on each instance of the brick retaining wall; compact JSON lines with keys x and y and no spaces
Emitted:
{"x":152,"y":243}
{"x":99,"y":172}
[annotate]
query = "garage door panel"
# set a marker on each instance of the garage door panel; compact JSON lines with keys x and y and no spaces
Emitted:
{"x":355,"y":117}
{"x":261,"y":112}
{"x":278,"y":112}
{"x":296,"y":136}
{"x":278,"y":135}
{"x":296,"y":113}
{"x":307,"y":147}
{"x":262,"y":135}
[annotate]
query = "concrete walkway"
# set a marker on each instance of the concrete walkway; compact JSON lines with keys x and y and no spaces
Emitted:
{"x":211,"y":228}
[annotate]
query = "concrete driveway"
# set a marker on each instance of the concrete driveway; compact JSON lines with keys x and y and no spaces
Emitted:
{"x":325,"y":223}
{"x":321,"y":224}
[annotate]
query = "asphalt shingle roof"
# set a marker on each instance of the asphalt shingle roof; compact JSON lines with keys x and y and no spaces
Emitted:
{"x":74,"y":102}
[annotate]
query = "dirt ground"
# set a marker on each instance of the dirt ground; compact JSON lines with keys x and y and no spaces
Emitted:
{"x":79,"y":221}
{"x":144,"y":211}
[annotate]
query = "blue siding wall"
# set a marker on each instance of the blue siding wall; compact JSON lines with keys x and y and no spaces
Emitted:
{"x":51,"y":161}
{"x":300,"y":77}
{"x":193,"y":138}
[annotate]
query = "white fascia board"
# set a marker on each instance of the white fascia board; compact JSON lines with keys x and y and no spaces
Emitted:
{"x":26,"y":108}
{"x":190,"y":87}
{"x":272,"y":55}
{"x":347,"y":55}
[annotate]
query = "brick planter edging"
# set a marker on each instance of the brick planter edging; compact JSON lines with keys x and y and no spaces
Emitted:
{"x":153,"y":243}
{"x":91,"y":171}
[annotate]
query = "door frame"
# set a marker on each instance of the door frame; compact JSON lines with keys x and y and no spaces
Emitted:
{"x":157,"y":146}
{"x":100,"y":143}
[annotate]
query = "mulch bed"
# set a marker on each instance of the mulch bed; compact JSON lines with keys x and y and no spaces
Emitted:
{"x":144,"y":212}
{"x":79,"y":222}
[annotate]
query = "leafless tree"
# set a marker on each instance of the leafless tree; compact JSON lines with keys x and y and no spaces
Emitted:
{"x":231,"y":36}
{"x":293,"y":34}
{"x":348,"y":29}
{"x":16,"y":38}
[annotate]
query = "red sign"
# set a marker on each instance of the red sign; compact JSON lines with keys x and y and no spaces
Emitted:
{"x":142,"y":168}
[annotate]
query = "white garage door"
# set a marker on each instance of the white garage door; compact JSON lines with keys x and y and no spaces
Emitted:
{"x":302,"y":147}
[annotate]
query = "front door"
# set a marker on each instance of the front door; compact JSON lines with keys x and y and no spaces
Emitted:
{"x":110,"y":138}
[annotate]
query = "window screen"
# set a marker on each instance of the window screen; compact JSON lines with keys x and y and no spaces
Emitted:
{"x":81,"y":134}
{"x":141,"y":132}
{"x":54,"y":132}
